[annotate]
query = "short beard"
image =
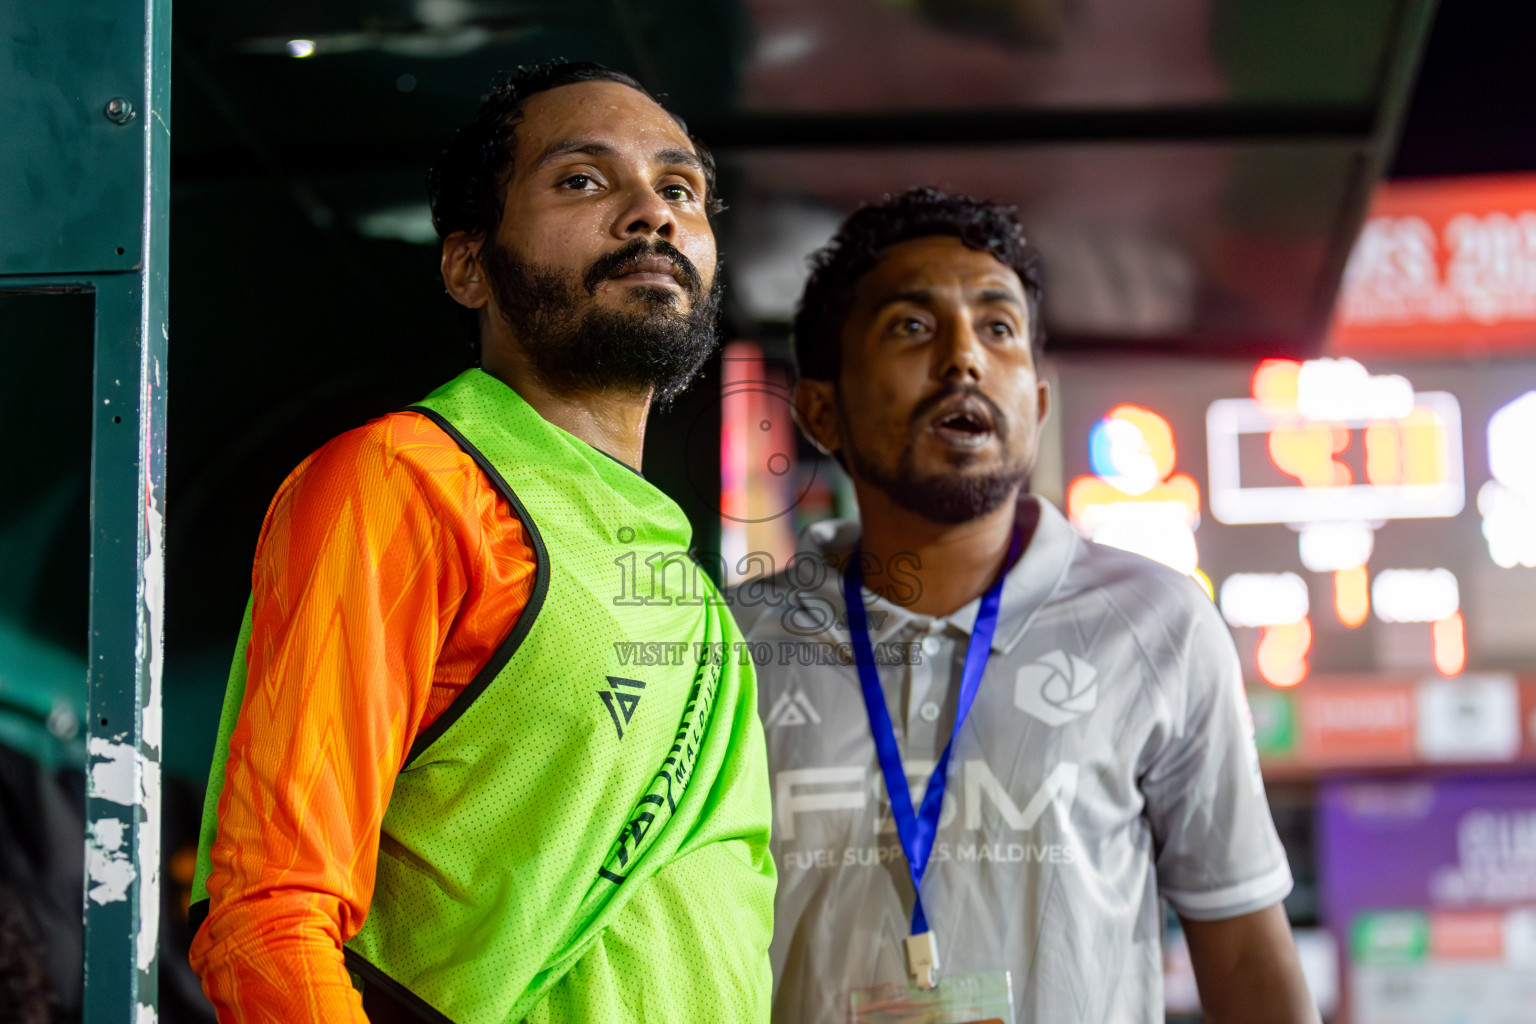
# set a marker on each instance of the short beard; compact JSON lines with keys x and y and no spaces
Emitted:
{"x":949,"y":499}
{"x":946,"y":500}
{"x":647,"y":346}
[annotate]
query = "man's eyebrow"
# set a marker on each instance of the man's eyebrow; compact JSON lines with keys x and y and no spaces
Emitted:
{"x":591,"y":147}
{"x":924,"y":297}
{"x":679,"y":156}
{"x":916,"y":296}
{"x":1000,"y":295}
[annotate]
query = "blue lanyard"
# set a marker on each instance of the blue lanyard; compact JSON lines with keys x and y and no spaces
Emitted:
{"x":917,"y":830}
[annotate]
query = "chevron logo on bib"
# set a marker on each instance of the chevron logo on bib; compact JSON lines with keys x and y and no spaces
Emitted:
{"x":1057,"y":688}
{"x":620,"y":703}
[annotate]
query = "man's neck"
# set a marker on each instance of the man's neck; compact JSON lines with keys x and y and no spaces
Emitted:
{"x":952,"y":564}
{"x":612,"y":422}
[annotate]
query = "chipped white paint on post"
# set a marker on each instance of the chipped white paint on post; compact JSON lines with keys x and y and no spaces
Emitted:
{"x":107,"y":864}
{"x":128,"y":583}
{"x":148,"y":860}
{"x":112,"y":772}
{"x":152,"y":635}
{"x":151,"y":658}
{"x":150,"y":728}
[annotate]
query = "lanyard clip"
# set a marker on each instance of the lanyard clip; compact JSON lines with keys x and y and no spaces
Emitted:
{"x":923,"y":959}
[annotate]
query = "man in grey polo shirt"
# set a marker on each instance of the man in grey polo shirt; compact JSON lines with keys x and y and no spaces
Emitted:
{"x":1107,"y":760}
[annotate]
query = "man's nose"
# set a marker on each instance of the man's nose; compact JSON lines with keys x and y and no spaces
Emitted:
{"x":959,"y":353}
{"x":645,"y":215}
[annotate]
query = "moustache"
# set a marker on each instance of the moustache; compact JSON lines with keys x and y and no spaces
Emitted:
{"x":627,"y":257}
{"x":952,"y":390}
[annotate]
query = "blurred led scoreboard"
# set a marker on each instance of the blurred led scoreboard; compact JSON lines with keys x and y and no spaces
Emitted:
{"x":1368,"y":449}
{"x":1371,"y":522}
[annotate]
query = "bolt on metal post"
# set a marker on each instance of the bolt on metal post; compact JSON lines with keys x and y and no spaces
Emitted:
{"x":119,"y":110}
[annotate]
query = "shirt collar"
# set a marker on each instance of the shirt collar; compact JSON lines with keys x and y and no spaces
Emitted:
{"x":1031,"y":581}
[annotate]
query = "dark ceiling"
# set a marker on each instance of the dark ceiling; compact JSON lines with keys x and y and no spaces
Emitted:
{"x":1193,"y":169}
{"x":1471,"y":109}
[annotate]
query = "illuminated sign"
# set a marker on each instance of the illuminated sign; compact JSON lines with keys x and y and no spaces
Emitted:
{"x":1351,"y":595}
{"x":1272,"y":463}
{"x":1338,"y":516}
{"x":1134,"y":500}
{"x":1358,"y":722}
{"x":1415,"y":595}
{"x":1331,"y":547}
{"x":1263,"y":598}
{"x":1335,"y":451}
{"x":1443,"y":265}
{"x":1277,"y":603}
{"x":1472,"y":719}
{"x":1508,"y":501}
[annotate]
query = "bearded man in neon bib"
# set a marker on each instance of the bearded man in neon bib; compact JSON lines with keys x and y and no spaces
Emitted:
{"x":437,"y":793}
{"x":1037,"y":740}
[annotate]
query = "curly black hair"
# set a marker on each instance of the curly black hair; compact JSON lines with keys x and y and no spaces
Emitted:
{"x":870,"y":232}
{"x":464,"y":186}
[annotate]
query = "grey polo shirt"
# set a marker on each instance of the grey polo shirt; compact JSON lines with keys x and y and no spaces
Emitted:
{"x":1108,"y":760}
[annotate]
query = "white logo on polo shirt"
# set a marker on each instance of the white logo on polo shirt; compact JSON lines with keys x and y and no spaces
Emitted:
{"x":1057,"y":688}
{"x":792,"y":709}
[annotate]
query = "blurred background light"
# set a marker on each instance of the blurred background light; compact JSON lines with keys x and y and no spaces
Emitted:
{"x":1158,"y":530}
{"x":1276,"y":385}
{"x":1342,"y":389}
{"x":1263,"y":599}
{"x":408,"y":222}
{"x":1512,"y":444}
{"x":1352,"y":595}
{"x":1415,"y":595}
{"x":1282,"y":653}
{"x":1328,"y":547}
{"x":1134,"y":500}
{"x":1132,"y":449}
{"x":1508,"y":501}
{"x":1450,"y":644}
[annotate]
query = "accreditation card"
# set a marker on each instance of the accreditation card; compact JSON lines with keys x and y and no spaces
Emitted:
{"x":982,"y":998}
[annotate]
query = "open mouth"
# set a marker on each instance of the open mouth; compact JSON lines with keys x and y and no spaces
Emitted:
{"x":964,"y":424}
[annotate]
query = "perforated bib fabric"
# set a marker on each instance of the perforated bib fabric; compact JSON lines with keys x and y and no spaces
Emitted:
{"x":583,"y":834}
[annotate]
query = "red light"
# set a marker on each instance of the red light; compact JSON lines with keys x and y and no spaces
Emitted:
{"x":1274,"y":384}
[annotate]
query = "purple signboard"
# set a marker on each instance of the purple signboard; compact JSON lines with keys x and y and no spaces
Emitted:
{"x":1430,"y":887}
{"x":1457,"y":843}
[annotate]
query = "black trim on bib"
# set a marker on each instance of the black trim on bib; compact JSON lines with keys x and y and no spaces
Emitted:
{"x":197,"y":913}
{"x":386,"y":1001}
{"x":620,"y":461}
{"x":514,"y":640}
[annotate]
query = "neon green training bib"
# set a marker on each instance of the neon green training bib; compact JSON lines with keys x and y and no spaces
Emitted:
{"x":583,"y":835}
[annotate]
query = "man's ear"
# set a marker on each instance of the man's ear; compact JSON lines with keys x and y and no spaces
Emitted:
{"x":463,"y":275}
{"x":816,"y":414}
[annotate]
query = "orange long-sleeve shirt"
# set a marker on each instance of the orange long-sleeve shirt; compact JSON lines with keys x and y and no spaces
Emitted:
{"x":387,"y":573}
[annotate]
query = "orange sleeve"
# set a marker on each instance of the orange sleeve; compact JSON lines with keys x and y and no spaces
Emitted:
{"x":387,"y":573}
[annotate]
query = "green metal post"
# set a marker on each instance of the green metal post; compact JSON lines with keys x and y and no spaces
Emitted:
{"x":89,"y":84}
